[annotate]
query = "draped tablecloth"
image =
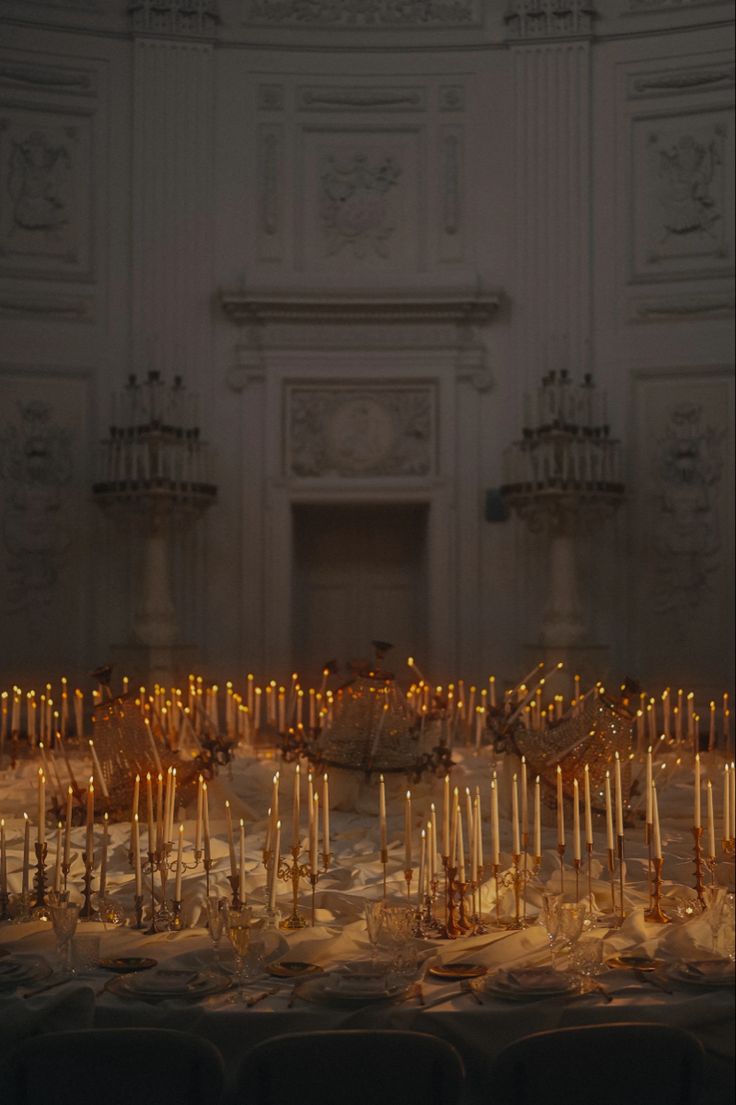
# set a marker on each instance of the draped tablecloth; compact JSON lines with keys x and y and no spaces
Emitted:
{"x":479,"y":1031}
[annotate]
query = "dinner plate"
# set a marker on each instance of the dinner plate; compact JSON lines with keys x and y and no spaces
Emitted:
{"x":20,"y":970}
{"x":456,"y":972}
{"x":196,"y":985}
{"x":706,"y":972}
{"x":319,"y":990}
{"x":124,"y":964}
{"x":530,"y":984}
{"x":293,"y":968}
{"x":635,"y":962}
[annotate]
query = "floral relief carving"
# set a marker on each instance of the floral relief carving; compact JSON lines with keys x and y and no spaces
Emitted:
{"x":354,"y":432}
{"x":35,"y":467}
{"x":686,"y":173}
{"x":355,"y":203}
{"x":688,"y":466}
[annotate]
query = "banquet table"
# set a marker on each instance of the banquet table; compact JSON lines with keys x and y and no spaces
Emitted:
{"x":479,"y":1026}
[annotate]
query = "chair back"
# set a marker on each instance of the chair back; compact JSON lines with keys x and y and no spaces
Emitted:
{"x":363,"y":1067}
{"x":113,"y":1066}
{"x":610,"y":1064}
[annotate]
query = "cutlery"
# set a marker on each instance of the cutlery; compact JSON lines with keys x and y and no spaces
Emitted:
{"x":255,"y":998}
{"x":652,"y":979}
{"x":466,"y":987}
{"x":47,"y":986}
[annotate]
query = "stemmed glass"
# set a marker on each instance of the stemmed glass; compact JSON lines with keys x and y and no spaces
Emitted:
{"x":572,"y":918}
{"x":216,"y":922}
{"x":64,"y":917}
{"x":374,"y":926}
{"x":238,"y":931}
{"x":550,"y":914}
{"x":715,"y":899}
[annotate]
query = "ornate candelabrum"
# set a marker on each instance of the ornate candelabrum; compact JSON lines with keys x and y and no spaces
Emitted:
{"x":564,"y":475}
{"x":40,"y":906}
{"x":155,"y":480}
{"x":293,"y":872}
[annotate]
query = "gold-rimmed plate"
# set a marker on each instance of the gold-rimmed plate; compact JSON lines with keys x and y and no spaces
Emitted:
{"x":634,"y":962}
{"x":457,"y":972}
{"x":202,"y":985}
{"x":293,"y":968}
{"x":124,"y":964}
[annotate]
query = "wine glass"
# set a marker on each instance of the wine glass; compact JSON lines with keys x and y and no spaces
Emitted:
{"x":587,"y":960}
{"x":216,"y":922}
{"x":550,"y":915}
{"x":571,"y":920}
{"x":64,"y":917}
{"x":238,"y":931}
{"x":714,"y":897}
{"x":374,"y":926}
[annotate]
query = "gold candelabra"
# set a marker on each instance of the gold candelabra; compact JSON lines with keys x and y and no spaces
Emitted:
{"x":40,"y":906}
{"x":88,"y":912}
{"x":698,"y":854}
{"x":655,"y":912}
{"x":293,"y":872}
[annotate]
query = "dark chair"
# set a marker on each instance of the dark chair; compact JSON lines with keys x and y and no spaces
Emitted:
{"x":113,"y":1066}
{"x":355,"y":1066}
{"x":609,"y":1064}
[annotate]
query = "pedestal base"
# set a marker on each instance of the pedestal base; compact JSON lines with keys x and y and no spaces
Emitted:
{"x":148,"y":664}
{"x":591,"y":662}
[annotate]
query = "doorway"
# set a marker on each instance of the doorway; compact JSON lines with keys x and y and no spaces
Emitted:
{"x":360,"y":574}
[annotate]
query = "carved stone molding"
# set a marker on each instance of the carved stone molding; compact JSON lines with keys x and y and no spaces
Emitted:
{"x":682,"y":309}
{"x":270,"y":143}
{"x":48,"y":78}
{"x":451,"y":97}
{"x":188,"y":18}
{"x":678,"y":81}
{"x":350,"y":432}
{"x":357,"y":98}
{"x":451,"y":321}
{"x":451,"y":184}
{"x":364,"y":14}
{"x":636,"y":6}
{"x":33,"y":305}
{"x":355,"y":206}
{"x":540,"y":19}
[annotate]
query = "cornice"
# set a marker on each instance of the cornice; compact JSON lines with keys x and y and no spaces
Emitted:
{"x":457,"y":307}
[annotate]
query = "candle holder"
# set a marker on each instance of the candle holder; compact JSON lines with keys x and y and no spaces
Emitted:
{"x":408,"y":875}
{"x":698,"y":854}
{"x":150,"y":868}
{"x":620,"y":842}
{"x":516,"y":876}
{"x":176,"y":923}
{"x":88,"y":912}
{"x":612,"y":879}
{"x":207,"y":863}
{"x":525,"y":871}
{"x":384,"y":865}
{"x":234,"y":881}
{"x":654,"y":913}
{"x":479,"y":926}
{"x":589,"y":871}
{"x":729,"y":847}
{"x":293,"y":872}
{"x":40,"y":907}
{"x":464,"y":923}
{"x":451,"y":929}
{"x":497,"y":881}
{"x":65,"y":869}
{"x":577,"y":864}
{"x":138,"y":911}
{"x":561,"y":853}
{"x":177,"y":867}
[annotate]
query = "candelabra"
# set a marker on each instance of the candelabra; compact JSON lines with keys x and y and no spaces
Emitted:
{"x":178,"y":867}
{"x":293,"y":872}
{"x":698,"y":856}
{"x":655,"y":913}
{"x":88,"y":912}
{"x":40,"y":906}
{"x":314,"y":874}
{"x":452,"y":929}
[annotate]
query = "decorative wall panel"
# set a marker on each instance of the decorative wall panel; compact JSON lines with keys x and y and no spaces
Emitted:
{"x":359,"y":98}
{"x":368,"y":14}
{"x":679,"y":81}
{"x":45,"y":193}
{"x":270,"y":198}
{"x":450,"y":220}
{"x":358,"y":432}
{"x":25,"y":76}
{"x":682,"y":195}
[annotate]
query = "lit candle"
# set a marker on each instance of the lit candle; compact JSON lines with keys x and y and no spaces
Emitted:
{"x":468,"y":813}
{"x":68,"y":826}
{"x":588,"y":807}
{"x":460,"y":846}
{"x":103,"y":859}
{"x":477,"y":859}
{"x":206,"y":825}
{"x":98,"y":770}
{"x":648,"y":787}
{"x":524,"y":805}
{"x":275,"y":868}
{"x":136,"y":797}
{"x":495,"y":833}
{"x":230,"y":841}
{"x":172,"y":806}
{"x":537,"y":818}
{"x":516,"y":849}
{"x":710,"y":821}
{"x":149,"y":810}
{"x":137,"y":857}
{"x":576,"y":853}
{"x":90,"y":822}
{"x":26,"y":855}
{"x":726,"y":804}
{"x":446,"y":818}
{"x":407,"y":832}
{"x":422,"y":866}
{"x":159,"y":811}
{"x":326,"y":816}
{"x":41,"y":807}
{"x":560,"y":810}
{"x":609,"y":813}
{"x":619,"y":798}
{"x":179,"y":864}
{"x":57,"y":868}
{"x":198,"y":822}
{"x":241,"y":882}
{"x":732,"y":803}
{"x":296,"y":806}
{"x":313,"y":834}
{"x":697,"y":820}
{"x":382,"y":819}
{"x":656,"y":838}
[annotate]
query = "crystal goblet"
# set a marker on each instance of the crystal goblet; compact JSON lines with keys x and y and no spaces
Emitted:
{"x":238,"y":931}
{"x":64,"y":917}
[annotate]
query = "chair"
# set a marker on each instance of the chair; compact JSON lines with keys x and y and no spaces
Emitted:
{"x":359,"y":1066}
{"x":609,"y":1064}
{"x":113,"y":1066}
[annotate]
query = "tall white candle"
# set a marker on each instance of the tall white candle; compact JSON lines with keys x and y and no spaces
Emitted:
{"x":68,"y":826}
{"x":98,"y":770}
{"x":407,"y":832}
{"x":295,"y":810}
{"x":198,"y":821}
{"x":710,"y":821}
{"x":460,"y":846}
{"x":326,"y":815}
{"x":726,"y":804}
{"x":560,"y":810}
{"x":103,"y":858}
{"x":446,"y":818}
{"x":588,"y":807}
{"x":275,"y":861}
{"x":57,"y":867}
{"x":179,"y":864}
{"x":422,"y":866}
{"x":619,"y":798}
{"x":537,"y":818}
{"x":609,"y":813}
{"x":206,"y":824}
{"x":516,"y":843}
{"x":149,"y":811}
{"x":314,"y":833}
{"x":648,"y":786}
{"x":697,"y":818}
{"x":26,"y":855}
{"x":172,"y":806}
{"x":576,"y":853}
{"x":241,"y":857}
{"x":230,"y":841}
{"x":90,"y":821}
{"x":382,"y":819}
{"x":732,"y":803}
{"x":137,"y":857}
{"x":656,"y":837}
{"x":3,"y":859}
{"x":41,"y":807}
{"x":136,"y":797}
{"x":495,"y":831}
{"x":524,"y":804}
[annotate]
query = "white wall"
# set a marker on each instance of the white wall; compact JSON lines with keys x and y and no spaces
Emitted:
{"x":551,"y":170}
